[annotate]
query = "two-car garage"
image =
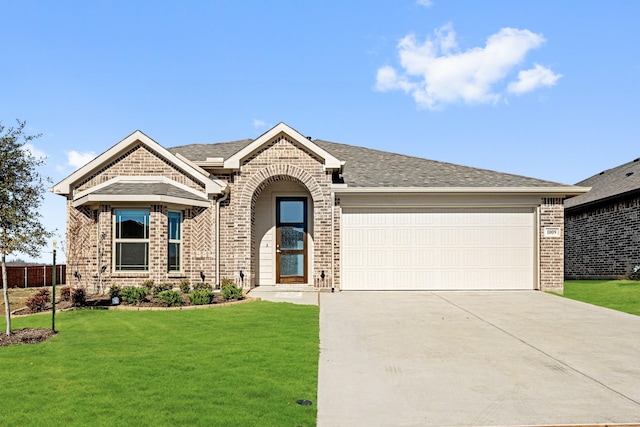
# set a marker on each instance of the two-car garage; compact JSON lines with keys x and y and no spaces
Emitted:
{"x":417,"y":248}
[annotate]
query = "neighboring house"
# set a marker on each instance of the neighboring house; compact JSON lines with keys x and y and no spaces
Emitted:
{"x":284,"y":209}
{"x":602,"y":233}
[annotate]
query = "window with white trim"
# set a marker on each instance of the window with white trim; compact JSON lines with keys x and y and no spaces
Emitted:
{"x":175,"y":240}
{"x":131,"y":238}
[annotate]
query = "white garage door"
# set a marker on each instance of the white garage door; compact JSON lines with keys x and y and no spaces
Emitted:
{"x":429,"y":249}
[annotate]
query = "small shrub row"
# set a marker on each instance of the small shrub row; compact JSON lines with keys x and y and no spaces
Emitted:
{"x":201,"y":297}
{"x":158,"y":289}
{"x":171,"y":298}
{"x":185,"y":286}
{"x":134,"y":295}
{"x":199,"y":293}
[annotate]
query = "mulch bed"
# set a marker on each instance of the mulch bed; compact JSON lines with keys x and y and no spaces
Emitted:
{"x":26,"y":336}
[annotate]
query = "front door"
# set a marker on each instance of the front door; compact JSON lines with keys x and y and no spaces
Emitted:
{"x":291,"y":240}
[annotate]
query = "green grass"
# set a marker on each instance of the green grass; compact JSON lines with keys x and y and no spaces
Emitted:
{"x":240,"y":365}
{"x":621,"y":295}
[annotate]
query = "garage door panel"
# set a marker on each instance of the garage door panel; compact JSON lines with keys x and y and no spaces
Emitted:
{"x":438,"y":248}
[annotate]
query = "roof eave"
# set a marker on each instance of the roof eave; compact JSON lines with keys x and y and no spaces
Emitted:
{"x":149,"y":198}
{"x":560,"y":191}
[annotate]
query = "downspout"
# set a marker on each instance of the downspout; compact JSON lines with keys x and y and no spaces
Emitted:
{"x":218,"y":202}
{"x":333,"y":238}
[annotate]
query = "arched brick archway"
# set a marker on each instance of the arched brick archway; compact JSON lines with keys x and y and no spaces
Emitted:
{"x":246,"y":241}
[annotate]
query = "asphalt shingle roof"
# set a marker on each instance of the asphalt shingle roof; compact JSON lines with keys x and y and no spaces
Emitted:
{"x":366,"y":167}
{"x":146,"y":188}
{"x":608,"y":184}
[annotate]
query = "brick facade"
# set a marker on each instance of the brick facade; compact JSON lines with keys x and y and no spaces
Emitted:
{"x":551,"y":247}
{"x":90,"y":229}
{"x":603,"y":241}
{"x":278,"y":160}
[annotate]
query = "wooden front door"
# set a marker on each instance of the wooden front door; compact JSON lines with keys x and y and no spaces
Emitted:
{"x":291,"y":240}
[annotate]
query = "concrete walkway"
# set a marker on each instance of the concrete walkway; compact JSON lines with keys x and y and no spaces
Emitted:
{"x":294,"y":294}
{"x":475,"y":359}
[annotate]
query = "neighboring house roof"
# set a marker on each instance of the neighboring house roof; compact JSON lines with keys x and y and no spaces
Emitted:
{"x":610,"y":184}
{"x":365,"y":167}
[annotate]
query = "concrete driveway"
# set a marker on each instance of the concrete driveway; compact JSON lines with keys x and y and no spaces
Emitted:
{"x":475,"y":359}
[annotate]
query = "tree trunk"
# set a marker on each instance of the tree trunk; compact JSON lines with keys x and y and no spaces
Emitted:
{"x":5,"y":294}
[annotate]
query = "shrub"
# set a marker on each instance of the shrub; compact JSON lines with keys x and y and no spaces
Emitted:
{"x":134,"y":295}
{"x":115,"y":291}
{"x":65,"y":293}
{"x":185,"y":286}
{"x":39,"y":301}
{"x":79,"y":297}
{"x":202,"y":286}
{"x":225,"y":281}
{"x":201,"y":297}
{"x":148,"y":285}
{"x":231,"y":292}
{"x":171,"y":298}
{"x":157,"y":289}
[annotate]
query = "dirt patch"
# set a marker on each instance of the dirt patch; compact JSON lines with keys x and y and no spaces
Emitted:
{"x":26,"y":336}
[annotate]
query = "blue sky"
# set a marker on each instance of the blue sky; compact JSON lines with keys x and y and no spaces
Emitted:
{"x":541,"y":88}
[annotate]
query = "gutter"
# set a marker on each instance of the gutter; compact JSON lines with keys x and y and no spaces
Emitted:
{"x":218,"y":202}
{"x":566,"y":191}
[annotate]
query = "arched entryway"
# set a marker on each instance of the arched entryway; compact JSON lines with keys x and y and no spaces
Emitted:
{"x":266,"y":193}
{"x":283,"y":234}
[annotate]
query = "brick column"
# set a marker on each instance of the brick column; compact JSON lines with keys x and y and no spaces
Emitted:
{"x":552,"y":245}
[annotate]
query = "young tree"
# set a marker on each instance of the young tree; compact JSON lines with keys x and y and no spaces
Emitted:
{"x":21,"y":194}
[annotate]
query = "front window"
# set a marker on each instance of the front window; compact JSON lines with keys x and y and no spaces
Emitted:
{"x":131,"y":240}
{"x":175,"y":237}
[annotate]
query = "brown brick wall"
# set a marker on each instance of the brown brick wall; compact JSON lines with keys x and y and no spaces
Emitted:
{"x":552,"y":248}
{"x":281,"y":159}
{"x":138,"y":161}
{"x":90,"y":230}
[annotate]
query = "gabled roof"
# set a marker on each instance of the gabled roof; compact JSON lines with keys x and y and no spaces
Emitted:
{"x":231,"y":154}
{"x":212,"y":186}
{"x":234,"y":161}
{"x":366,"y":169}
{"x":610,"y":184}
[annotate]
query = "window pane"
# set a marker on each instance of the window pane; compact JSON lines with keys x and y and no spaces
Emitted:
{"x":174,"y":256}
{"x":132,"y":256}
{"x":291,"y":238}
{"x":292,"y":211}
{"x":132,"y":224}
{"x":174,"y":225}
{"x":291,"y":265}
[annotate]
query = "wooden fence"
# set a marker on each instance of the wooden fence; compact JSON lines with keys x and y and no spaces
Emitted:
{"x":34,"y":276}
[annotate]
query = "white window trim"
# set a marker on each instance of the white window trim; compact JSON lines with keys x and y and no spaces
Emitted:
{"x":121,"y":240}
{"x":178,"y":241}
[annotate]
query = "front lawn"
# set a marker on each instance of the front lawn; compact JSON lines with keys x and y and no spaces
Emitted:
{"x":234,"y":366}
{"x":621,"y":295}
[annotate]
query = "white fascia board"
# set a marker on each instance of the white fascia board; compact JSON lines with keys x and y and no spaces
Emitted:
{"x":158,"y":199}
{"x":560,"y":191}
{"x":330,"y":162}
{"x":139,"y":179}
{"x":64,"y":187}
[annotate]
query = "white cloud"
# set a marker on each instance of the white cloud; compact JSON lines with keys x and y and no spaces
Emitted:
{"x":38,"y":154}
{"x":425,"y":3}
{"x":529,"y":80}
{"x":78,"y":160}
{"x":435,"y":72}
{"x":257,"y":123}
